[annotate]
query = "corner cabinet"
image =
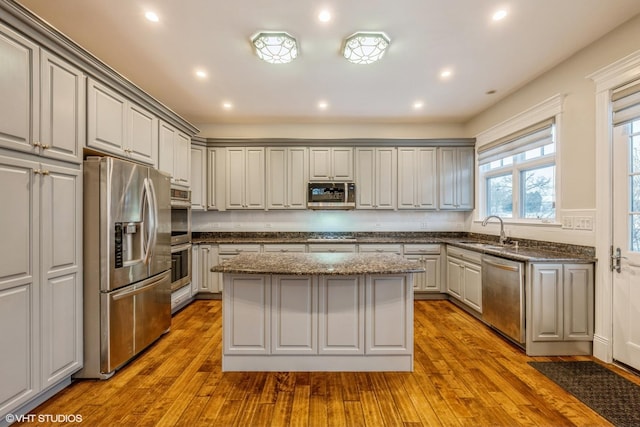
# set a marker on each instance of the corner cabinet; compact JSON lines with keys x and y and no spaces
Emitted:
{"x":456,"y":178}
{"x":287,"y":176}
{"x":175,"y":154}
{"x":41,"y":276}
{"x":376,"y":172}
{"x":118,"y":126}
{"x":417,"y":178}
{"x":245,"y":186}
{"x":42,"y":110}
{"x":331,"y":164}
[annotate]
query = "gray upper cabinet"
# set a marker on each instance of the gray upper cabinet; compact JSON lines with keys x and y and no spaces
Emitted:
{"x":331,"y":164}
{"x":287,"y":176}
{"x":456,"y":178}
{"x":42,"y":110}
{"x":417,"y":178}
{"x":118,"y":126}
{"x":376,"y":174}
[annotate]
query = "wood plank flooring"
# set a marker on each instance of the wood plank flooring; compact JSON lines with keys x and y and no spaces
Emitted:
{"x":464,"y":375}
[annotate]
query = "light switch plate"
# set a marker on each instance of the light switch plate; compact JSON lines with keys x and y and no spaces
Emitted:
{"x":567,"y":222}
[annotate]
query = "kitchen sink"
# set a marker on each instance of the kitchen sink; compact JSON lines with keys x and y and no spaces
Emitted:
{"x":482,"y":245}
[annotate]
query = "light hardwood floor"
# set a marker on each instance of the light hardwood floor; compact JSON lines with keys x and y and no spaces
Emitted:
{"x":464,"y":375}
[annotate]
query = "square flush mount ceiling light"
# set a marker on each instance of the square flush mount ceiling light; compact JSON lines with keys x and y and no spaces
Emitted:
{"x":365,"y":47}
{"x":275,"y":47}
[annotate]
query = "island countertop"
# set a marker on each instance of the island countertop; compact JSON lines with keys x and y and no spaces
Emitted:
{"x":343,"y":264}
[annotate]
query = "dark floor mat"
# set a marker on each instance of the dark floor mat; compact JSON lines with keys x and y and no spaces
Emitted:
{"x":610,"y":395}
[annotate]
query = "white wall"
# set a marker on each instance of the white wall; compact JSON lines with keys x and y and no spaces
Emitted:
{"x":332,"y":131}
{"x":576,"y":136}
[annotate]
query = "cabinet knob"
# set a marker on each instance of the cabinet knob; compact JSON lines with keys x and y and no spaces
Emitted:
{"x":37,"y":144}
{"x":45,"y":146}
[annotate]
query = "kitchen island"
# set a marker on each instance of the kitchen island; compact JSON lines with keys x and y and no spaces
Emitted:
{"x":317,"y":312}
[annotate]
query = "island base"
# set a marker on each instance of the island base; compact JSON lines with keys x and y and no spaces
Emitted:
{"x":237,"y":363}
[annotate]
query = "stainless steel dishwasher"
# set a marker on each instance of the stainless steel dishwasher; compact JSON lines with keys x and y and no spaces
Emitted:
{"x":503,"y":296}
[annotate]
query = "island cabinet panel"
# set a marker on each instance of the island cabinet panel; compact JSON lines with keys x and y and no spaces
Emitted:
{"x":341,"y":319}
{"x":390,"y":326}
{"x":546,"y":300}
{"x":294,"y":315}
{"x":246,"y":309}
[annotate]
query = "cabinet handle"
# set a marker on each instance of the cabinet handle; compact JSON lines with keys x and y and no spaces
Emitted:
{"x":37,"y":171}
{"x":41,"y":172}
{"x":45,"y":172}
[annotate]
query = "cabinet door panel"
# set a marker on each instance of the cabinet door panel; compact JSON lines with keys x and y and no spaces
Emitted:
{"x":277,"y":178}
{"x":341,"y":316}
{"x":198,"y":178}
{"x":166,"y":155}
{"x":235,"y":178}
{"x":431,"y":264}
{"x":366,"y":178}
{"x":465,"y":178}
{"x":448,"y":166}
{"x":17,"y":228}
{"x":342,"y":163}
{"x":407,"y":191}
{"x":319,"y":163}
{"x":61,"y":328}
{"x":62,"y":123}
{"x":19,"y":87}
{"x":297,"y":178}
{"x":294,"y":319}
{"x":17,"y":370}
{"x":473,"y":286}
{"x":389,"y":309}
{"x":254,"y":184}
{"x":578,"y":302}
{"x":143,"y":135}
{"x":427,"y":178}
{"x":182,"y":151}
{"x":106,"y":119}
{"x":246,"y":303}
{"x":547,"y":295}
{"x":385,"y":178}
{"x":454,"y":278}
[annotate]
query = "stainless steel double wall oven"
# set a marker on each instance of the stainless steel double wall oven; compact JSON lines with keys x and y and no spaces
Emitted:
{"x":180,"y":238}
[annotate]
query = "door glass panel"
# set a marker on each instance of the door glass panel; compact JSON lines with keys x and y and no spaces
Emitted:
{"x":635,"y":232}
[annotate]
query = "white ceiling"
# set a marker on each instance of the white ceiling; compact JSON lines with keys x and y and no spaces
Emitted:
{"x":427,"y":36}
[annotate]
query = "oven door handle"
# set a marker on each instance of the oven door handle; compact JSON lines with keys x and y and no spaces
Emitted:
{"x":179,"y":248}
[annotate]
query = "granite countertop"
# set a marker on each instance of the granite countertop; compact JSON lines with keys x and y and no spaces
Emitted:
{"x":317,"y":264}
{"x":525,"y":251}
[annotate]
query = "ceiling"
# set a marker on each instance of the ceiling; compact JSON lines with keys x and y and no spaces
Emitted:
{"x":427,"y":37}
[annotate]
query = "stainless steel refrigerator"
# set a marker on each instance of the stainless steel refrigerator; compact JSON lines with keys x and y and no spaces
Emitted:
{"x":127,"y":262}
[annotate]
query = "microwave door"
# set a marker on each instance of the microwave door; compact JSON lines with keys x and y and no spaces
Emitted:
{"x":125,"y":199}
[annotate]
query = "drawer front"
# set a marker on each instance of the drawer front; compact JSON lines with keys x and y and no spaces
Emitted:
{"x":286,"y":248}
{"x":422,"y":249}
{"x":470,"y":256}
{"x":236,"y":249}
{"x":395,"y":249}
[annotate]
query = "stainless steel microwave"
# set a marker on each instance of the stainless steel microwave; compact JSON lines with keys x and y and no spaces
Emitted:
{"x":331,"y":195}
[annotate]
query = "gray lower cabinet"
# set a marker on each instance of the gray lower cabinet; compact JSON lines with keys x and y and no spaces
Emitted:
{"x":428,"y":257}
{"x":562,"y":302}
{"x":464,"y":277}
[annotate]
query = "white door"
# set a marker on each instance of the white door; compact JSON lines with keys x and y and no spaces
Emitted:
{"x":626,"y":238}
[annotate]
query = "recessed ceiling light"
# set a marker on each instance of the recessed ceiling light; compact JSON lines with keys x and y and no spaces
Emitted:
{"x":417,"y":105}
{"x":227,"y":105}
{"x":201,"y":73}
{"x":323,"y":105}
{"x":499,"y":15}
{"x":151,"y":16}
{"x":445,"y":74}
{"x":324,"y":16}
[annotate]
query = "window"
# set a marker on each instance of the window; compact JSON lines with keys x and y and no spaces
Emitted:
{"x":518,"y":174}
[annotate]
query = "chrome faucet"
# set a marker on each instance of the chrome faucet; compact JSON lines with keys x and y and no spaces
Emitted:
{"x":503,"y":237}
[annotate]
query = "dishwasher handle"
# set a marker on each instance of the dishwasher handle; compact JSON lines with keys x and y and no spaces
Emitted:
{"x":507,"y":267}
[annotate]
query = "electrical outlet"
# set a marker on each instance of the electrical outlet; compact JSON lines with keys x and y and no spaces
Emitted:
{"x":583,"y":223}
{"x":567,"y":222}
{"x":423,"y":225}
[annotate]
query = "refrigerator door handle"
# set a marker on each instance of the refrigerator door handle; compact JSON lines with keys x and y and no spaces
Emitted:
{"x":147,"y":209}
{"x":154,"y":212}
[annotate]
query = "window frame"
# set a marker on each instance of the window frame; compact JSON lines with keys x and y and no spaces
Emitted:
{"x":546,"y":110}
